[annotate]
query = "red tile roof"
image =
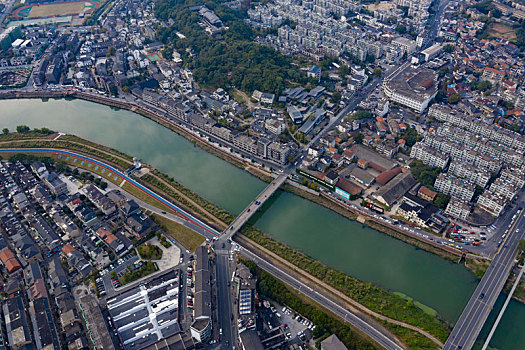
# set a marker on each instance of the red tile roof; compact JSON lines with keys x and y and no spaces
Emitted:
{"x":387,"y":175}
{"x":68,"y":248}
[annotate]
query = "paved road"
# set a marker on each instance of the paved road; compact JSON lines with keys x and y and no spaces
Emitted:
{"x":480,"y":304}
{"x":432,"y":32}
{"x":385,"y":340}
{"x":490,"y":246}
{"x":357,"y":98}
{"x":224,"y":302}
{"x":500,"y":315}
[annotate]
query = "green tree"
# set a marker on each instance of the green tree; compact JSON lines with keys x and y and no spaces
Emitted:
{"x":361,"y":114}
{"x":483,"y":85}
{"x":454,"y":98}
{"x":449,"y":48}
{"x":424,"y":174}
{"x":411,"y":136}
{"x":22,"y":129}
{"x":343,"y":71}
{"x":5,"y":131}
{"x":441,"y":200}
{"x":113,"y":275}
{"x":401,"y":29}
{"x":336,"y":97}
{"x":442,"y":71}
{"x":358,"y":138}
{"x":377,"y":72}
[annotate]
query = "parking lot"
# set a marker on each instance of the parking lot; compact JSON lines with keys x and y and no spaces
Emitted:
{"x":120,"y":267}
{"x":296,"y":328}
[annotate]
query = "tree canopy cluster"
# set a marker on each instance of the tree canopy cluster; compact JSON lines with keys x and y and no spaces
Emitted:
{"x":231,"y":59}
{"x":424,"y":174}
{"x":361,"y":114}
{"x":411,"y":136}
{"x":520,"y":36}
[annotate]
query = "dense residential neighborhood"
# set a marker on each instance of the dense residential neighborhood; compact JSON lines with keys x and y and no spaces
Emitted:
{"x":406,"y":115}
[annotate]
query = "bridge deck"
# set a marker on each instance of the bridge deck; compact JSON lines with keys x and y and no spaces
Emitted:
{"x":247,"y":213}
{"x":475,"y":314}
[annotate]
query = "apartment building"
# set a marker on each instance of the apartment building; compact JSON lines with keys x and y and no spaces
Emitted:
{"x":493,"y":75}
{"x":278,"y":152}
{"x":246,"y":143}
{"x":458,"y":208}
{"x":469,"y":172}
{"x":491,"y":202}
{"x":514,"y":175}
{"x":451,"y":185}
{"x":504,"y":188}
{"x":429,"y":156}
{"x":490,"y":131}
{"x":406,"y":45}
{"x":274,"y":126}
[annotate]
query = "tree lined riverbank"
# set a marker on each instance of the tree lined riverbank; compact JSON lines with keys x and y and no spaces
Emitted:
{"x":232,"y":189}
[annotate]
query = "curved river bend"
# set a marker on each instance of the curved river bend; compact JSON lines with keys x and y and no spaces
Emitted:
{"x":344,"y":244}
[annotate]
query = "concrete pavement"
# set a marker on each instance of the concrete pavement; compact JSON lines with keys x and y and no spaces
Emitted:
{"x":498,"y":319}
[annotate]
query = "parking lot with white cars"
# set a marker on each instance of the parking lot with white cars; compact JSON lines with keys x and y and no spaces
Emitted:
{"x":120,"y":267}
{"x":297,"y":328}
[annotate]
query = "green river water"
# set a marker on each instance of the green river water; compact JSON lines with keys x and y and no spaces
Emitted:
{"x":341,"y":243}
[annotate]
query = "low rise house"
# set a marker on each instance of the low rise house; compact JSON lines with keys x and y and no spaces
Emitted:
{"x":332,"y":343}
{"x":139,"y":226}
{"x":55,"y":184}
{"x":426,"y":193}
{"x":16,"y":322}
{"x":9,"y":260}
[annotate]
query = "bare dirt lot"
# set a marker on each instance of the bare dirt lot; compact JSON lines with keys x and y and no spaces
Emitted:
{"x":502,"y":31}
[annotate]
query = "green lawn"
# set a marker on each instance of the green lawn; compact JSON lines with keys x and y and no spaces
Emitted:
{"x":146,"y":269}
{"x":188,"y":238}
{"x":144,"y":197}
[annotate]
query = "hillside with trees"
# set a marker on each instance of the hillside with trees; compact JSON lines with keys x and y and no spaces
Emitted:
{"x":231,"y":59}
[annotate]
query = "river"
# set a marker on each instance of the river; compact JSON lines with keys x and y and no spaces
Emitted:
{"x":344,"y":244}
